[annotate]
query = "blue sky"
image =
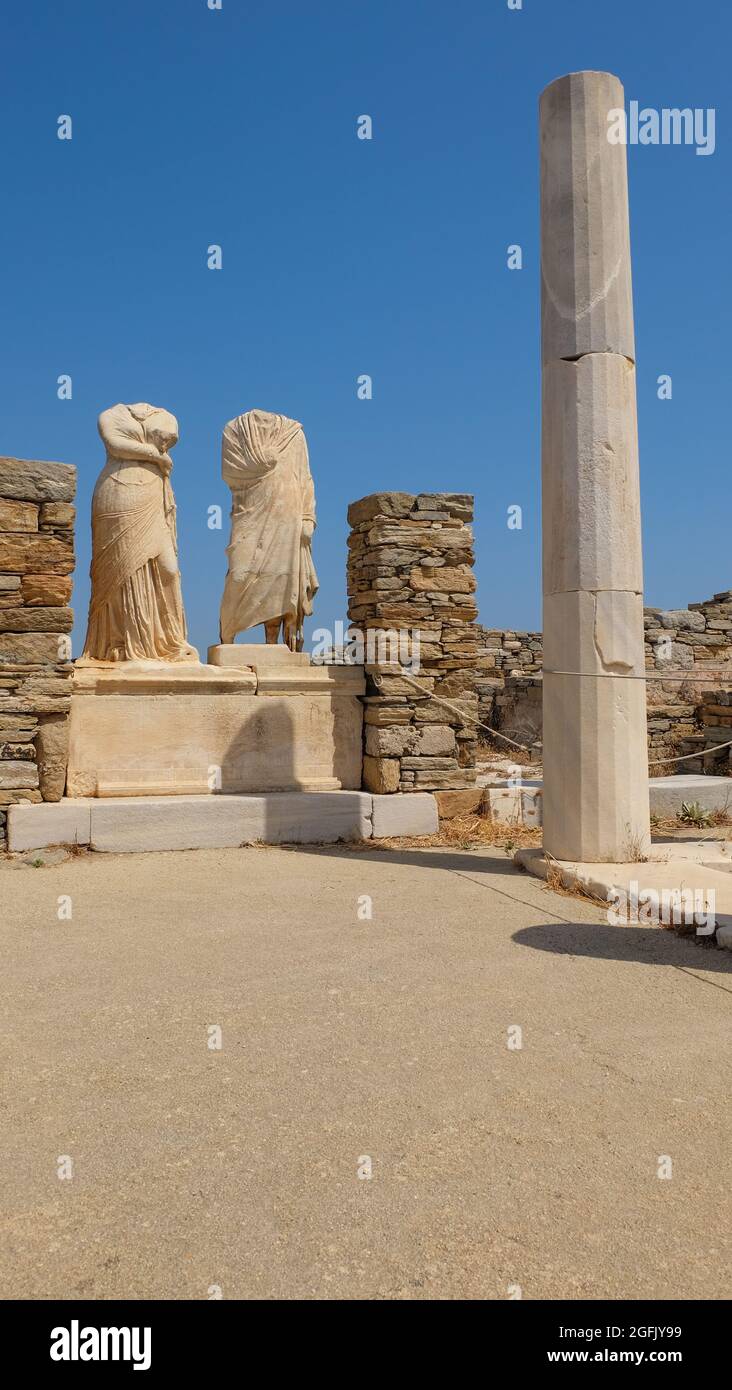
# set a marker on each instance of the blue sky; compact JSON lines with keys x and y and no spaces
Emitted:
{"x":343,"y":257}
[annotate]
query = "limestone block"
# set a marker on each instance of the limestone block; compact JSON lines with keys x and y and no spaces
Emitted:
{"x":392,"y":741}
{"x":590,"y":481}
{"x":27,"y":554}
{"x":667,"y":794}
{"x":40,"y":648}
{"x":262,"y":656}
{"x":595,"y":744}
{"x":16,"y":773}
{"x":46,"y":590}
{"x":201,"y":728}
{"x":18,"y":516}
{"x":52,"y":749}
{"x":380,"y":504}
{"x":9,"y":583}
{"x":434,"y":740}
{"x":587,"y":302}
{"x":37,"y":619}
{"x":12,"y":797}
{"x":380,"y":775}
{"x":59,"y":823}
{"x":133,"y":824}
{"x":446,"y":579}
{"x":34,"y":481}
{"x":465,"y":803}
{"x":409,"y":813}
{"x":57,"y":514}
{"x":304,"y":818}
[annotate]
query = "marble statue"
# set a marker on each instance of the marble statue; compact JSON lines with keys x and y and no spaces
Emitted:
{"x":271,"y":577}
{"x":136,"y":607}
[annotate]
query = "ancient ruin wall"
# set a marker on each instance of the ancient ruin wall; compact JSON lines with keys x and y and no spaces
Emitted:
{"x":36,"y":565}
{"x":683,"y":715}
{"x":410,"y":575}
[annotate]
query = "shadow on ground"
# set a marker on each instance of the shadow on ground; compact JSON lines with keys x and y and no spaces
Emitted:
{"x":642,"y":945}
{"x":458,"y":861}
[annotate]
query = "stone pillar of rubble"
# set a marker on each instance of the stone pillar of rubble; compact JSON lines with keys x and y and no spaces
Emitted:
{"x":36,"y":567}
{"x":595,"y":755}
{"x":411,"y":594}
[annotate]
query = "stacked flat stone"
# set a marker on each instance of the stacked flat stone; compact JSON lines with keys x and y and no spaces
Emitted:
{"x":504,"y":654}
{"x":679,"y":713}
{"x":410,"y":572}
{"x":36,"y":565}
{"x":714,"y":727}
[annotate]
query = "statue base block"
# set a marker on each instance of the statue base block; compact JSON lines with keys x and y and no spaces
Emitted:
{"x":160,"y":728}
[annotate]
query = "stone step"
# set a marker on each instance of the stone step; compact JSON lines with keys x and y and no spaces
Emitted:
{"x":135,"y":824}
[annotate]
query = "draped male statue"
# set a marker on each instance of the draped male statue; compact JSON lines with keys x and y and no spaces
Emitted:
{"x":136,"y":607}
{"x":271,"y":577}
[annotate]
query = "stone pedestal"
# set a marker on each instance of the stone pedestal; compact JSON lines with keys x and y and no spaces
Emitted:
{"x":595,"y":751}
{"x":147,"y":729}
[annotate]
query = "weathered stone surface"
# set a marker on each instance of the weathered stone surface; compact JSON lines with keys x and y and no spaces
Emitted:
{"x":16,"y":773}
{"x":37,"y":619}
{"x":52,"y":749}
{"x":31,"y":553}
{"x":595,"y":757}
{"x":446,"y":579}
{"x":60,"y":515}
{"x":381,"y":775}
{"x":380,"y":504}
{"x":409,"y":814}
{"x":453,"y":804}
{"x":19,"y":794}
{"x":18,"y":516}
{"x":37,"y":827}
{"x":35,"y":481}
{"x":587,"y":304}
{"x":595,"y":745}
{"x":590,"y":479}
{"x":45,"y":590}
{"x":41,"y":647}
{"x":9,"y":583}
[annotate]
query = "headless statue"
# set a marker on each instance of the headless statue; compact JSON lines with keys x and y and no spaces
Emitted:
{"x":271,"y":577}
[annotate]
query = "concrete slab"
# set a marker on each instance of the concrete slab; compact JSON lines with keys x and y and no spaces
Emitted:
{"x":50,"y":823}
{"x":410,"y":813}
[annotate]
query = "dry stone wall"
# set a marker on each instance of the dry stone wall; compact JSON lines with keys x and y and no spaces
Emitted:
{"x":36,"y":565}
{"x":683,"y":715}
{"x":411,"y":593}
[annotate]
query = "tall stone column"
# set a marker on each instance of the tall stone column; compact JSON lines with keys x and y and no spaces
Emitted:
{"x":595,"y":748}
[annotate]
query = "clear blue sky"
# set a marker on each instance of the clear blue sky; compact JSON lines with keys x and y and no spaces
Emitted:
{"x":343,"y":257}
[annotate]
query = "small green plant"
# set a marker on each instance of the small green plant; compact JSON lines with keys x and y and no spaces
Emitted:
{"x":693,"y":813}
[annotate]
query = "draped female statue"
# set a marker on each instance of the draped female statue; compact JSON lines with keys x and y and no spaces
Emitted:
{"x":271,"y":577}
{"x":136,"y":608}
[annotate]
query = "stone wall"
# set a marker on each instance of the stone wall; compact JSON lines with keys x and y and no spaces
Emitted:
{"x":694,"y":640}
{"x":410,"y":575}
{"x":36,"y":565}
{"x":713,"y":726}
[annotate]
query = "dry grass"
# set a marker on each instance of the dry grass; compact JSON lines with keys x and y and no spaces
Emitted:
{"x":461,"y":832}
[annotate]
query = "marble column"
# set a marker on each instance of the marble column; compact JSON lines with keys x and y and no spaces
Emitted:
{"x":595,"y":741}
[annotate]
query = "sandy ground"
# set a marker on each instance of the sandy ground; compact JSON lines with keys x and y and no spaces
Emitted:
{"x":345,"y":1040}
